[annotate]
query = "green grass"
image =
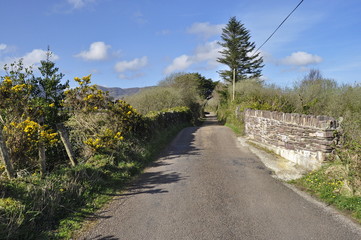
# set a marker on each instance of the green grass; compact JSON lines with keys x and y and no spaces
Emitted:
{"x":238,"y":130}
{"x":331,"y":189}
{"x":68,"y":226}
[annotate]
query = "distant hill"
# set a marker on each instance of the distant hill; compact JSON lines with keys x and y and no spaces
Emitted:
{"x":118,"y":93}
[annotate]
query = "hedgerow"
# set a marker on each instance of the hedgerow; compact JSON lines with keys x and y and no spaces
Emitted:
{"x":44,"y":195}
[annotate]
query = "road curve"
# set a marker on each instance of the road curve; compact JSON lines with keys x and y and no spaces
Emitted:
{"x":206,"y":186}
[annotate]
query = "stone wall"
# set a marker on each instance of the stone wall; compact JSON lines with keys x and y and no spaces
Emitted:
{"x":302,"y":139}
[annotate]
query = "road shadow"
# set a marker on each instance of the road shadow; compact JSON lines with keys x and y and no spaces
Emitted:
{"x":210,"y":119}
{"x":159,"y":173}
{"x":152,"y":182}
{"x":183,"y":144}
{"x":146,"y":183}
{"x":100,"y":237}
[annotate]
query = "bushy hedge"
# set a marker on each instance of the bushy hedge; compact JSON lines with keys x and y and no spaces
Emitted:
{"x":162,"y":119}
{"x":32,"y":206}
{"x":180,"y":89}
{"x":66,"y":150}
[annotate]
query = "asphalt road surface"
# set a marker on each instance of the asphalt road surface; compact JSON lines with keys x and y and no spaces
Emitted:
{"x":207,"y":186}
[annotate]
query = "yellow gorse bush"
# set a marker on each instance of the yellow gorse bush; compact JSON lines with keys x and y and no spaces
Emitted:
{"x":14,"y":96}
{"x":85,"y":97}
{"x":33,"y":132}
{"x":8,"y":81}
{"x":20,"y":87}
{"x":2,"y":168}
{"x":105,"y":139}
{"x":8,"y":86}
{"x":94,"y":143}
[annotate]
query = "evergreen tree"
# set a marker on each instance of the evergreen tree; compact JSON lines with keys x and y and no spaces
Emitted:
{"x":49,"y":92}
{"x":236,"y":53}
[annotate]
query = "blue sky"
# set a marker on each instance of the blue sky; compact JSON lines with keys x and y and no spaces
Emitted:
{"x":136,"y":43}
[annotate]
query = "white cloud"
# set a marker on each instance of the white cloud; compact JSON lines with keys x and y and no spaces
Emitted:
{"x":208,"y":52}
{"x":97,"y":51}
{"x":205,"y":29}
{"x":179,"y":63}
{"x":36,"y":56}
{"x":132,"y":65}
{"x":32,"y":58}
{"x":204,"y":54}
{"x":139,"y":18}
{"x":301,"y":59}
{"x":76,"y":3}
{"x":3,"y":46}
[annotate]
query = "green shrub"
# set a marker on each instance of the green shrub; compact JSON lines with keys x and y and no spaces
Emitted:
{"x":181,"y":89}
{"x":156,"y":99}
{"x":12,"y":216}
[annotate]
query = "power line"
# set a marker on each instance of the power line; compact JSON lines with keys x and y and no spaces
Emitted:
{"x":278,"y":27}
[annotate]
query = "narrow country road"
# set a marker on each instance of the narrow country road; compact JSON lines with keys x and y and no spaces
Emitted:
{"x":206,"y":186}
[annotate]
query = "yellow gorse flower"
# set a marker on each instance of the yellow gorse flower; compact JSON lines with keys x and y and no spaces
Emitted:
{"x":33,"y":131}
{"x":19,"y":87}
{"x":8,"y":81}
{"x":86,"y":79}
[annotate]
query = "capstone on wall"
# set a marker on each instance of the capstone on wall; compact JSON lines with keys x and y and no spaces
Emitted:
{"x":302,"y":139}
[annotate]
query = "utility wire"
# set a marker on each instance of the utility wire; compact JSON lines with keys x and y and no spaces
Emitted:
{"x":278,"y":27}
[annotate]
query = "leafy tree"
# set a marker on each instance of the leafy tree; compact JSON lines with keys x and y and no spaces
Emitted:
{"x":314,"y":93}
{"x":205,"y":86}
{"x":155,"y":99}
{"x":237,"y":53}
{"x":190,"y":82}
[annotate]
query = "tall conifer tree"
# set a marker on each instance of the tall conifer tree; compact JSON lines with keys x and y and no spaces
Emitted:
{"x":49,"y":91}
{"x":237,"y":53}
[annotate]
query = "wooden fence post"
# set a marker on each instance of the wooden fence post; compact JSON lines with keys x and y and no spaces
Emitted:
{"x":65,"y":139}
{"x":4,"y":154}
{"x":41,"y":149}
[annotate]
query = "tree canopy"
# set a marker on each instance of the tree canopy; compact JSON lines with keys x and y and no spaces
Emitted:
{"x":237,"y":53}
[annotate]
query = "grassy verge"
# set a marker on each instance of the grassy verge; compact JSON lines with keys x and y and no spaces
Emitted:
{"x":57,"y":205}
{"x":331,"y":185}
{"x":237,"y":129}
